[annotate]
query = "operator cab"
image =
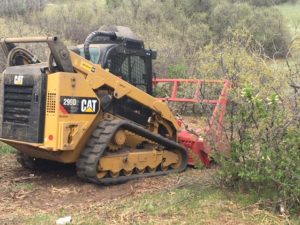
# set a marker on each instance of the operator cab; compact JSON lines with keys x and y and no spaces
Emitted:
{"x":123,"y":54}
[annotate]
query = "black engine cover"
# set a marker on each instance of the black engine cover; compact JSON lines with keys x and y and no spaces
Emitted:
{"x":22,"y":109}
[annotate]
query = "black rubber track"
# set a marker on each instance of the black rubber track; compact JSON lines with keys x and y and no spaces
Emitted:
{"x":87,"y":165}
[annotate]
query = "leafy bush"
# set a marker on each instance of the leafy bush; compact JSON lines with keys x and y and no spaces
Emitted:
{"x":265,"y":149}
{"x":262,"y":123}
{"x":266,"y":25}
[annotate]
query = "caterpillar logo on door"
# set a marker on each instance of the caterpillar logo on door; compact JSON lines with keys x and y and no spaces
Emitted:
{"x":78,"y":105}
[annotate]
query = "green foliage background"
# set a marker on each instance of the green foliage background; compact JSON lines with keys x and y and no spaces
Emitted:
{"x":178,"y":29}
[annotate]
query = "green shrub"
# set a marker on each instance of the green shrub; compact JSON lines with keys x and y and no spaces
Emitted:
{"x":265,"y":149}
{"x":262,"y":122}
{"x":266,"y":25}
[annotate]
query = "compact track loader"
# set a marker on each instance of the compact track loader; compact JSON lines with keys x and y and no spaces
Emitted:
{"x":90,"y":105}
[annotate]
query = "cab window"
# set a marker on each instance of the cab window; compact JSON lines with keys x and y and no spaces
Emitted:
{"x":130,"y":68}
{"x":94,"y":52}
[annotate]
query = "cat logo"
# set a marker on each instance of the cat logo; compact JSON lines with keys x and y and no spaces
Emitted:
{"x":18,"y":80}
{"x":79,"y":105}
{"x":89,"y":105}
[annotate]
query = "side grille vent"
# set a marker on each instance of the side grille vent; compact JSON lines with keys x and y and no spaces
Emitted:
{"x":23,"y":96}
{"x":51,"y":102}
{"x":17,"y":103}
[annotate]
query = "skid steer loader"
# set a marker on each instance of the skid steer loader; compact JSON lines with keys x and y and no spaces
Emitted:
{"x":90,"y":105}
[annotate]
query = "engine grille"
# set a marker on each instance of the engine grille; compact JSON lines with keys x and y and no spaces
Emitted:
{"x":17,"y":103}
{"x":51,"y":102}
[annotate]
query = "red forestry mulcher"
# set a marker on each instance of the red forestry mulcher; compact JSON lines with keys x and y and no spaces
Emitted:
{"x":199,"y":142}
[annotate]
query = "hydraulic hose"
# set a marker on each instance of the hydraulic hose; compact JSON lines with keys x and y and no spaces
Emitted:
{"x":90,"y":38}
{"x":20,"y":56}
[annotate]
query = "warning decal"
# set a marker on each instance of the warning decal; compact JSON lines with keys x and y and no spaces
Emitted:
{"x":78,"y":105}
{"x":87,"y":66}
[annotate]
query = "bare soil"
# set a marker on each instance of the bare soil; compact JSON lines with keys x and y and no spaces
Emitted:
{"x":41,"y":197}
{"x":28,"y":192}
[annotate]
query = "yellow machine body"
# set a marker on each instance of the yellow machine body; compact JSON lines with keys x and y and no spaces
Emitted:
{"x":76,"y":129}
{"x":66,"y":133}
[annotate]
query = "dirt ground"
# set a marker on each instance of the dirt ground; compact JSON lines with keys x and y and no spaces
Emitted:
{"x":28,"y":197}
{"x":46,"y":191}
{"x":26,"y":192}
